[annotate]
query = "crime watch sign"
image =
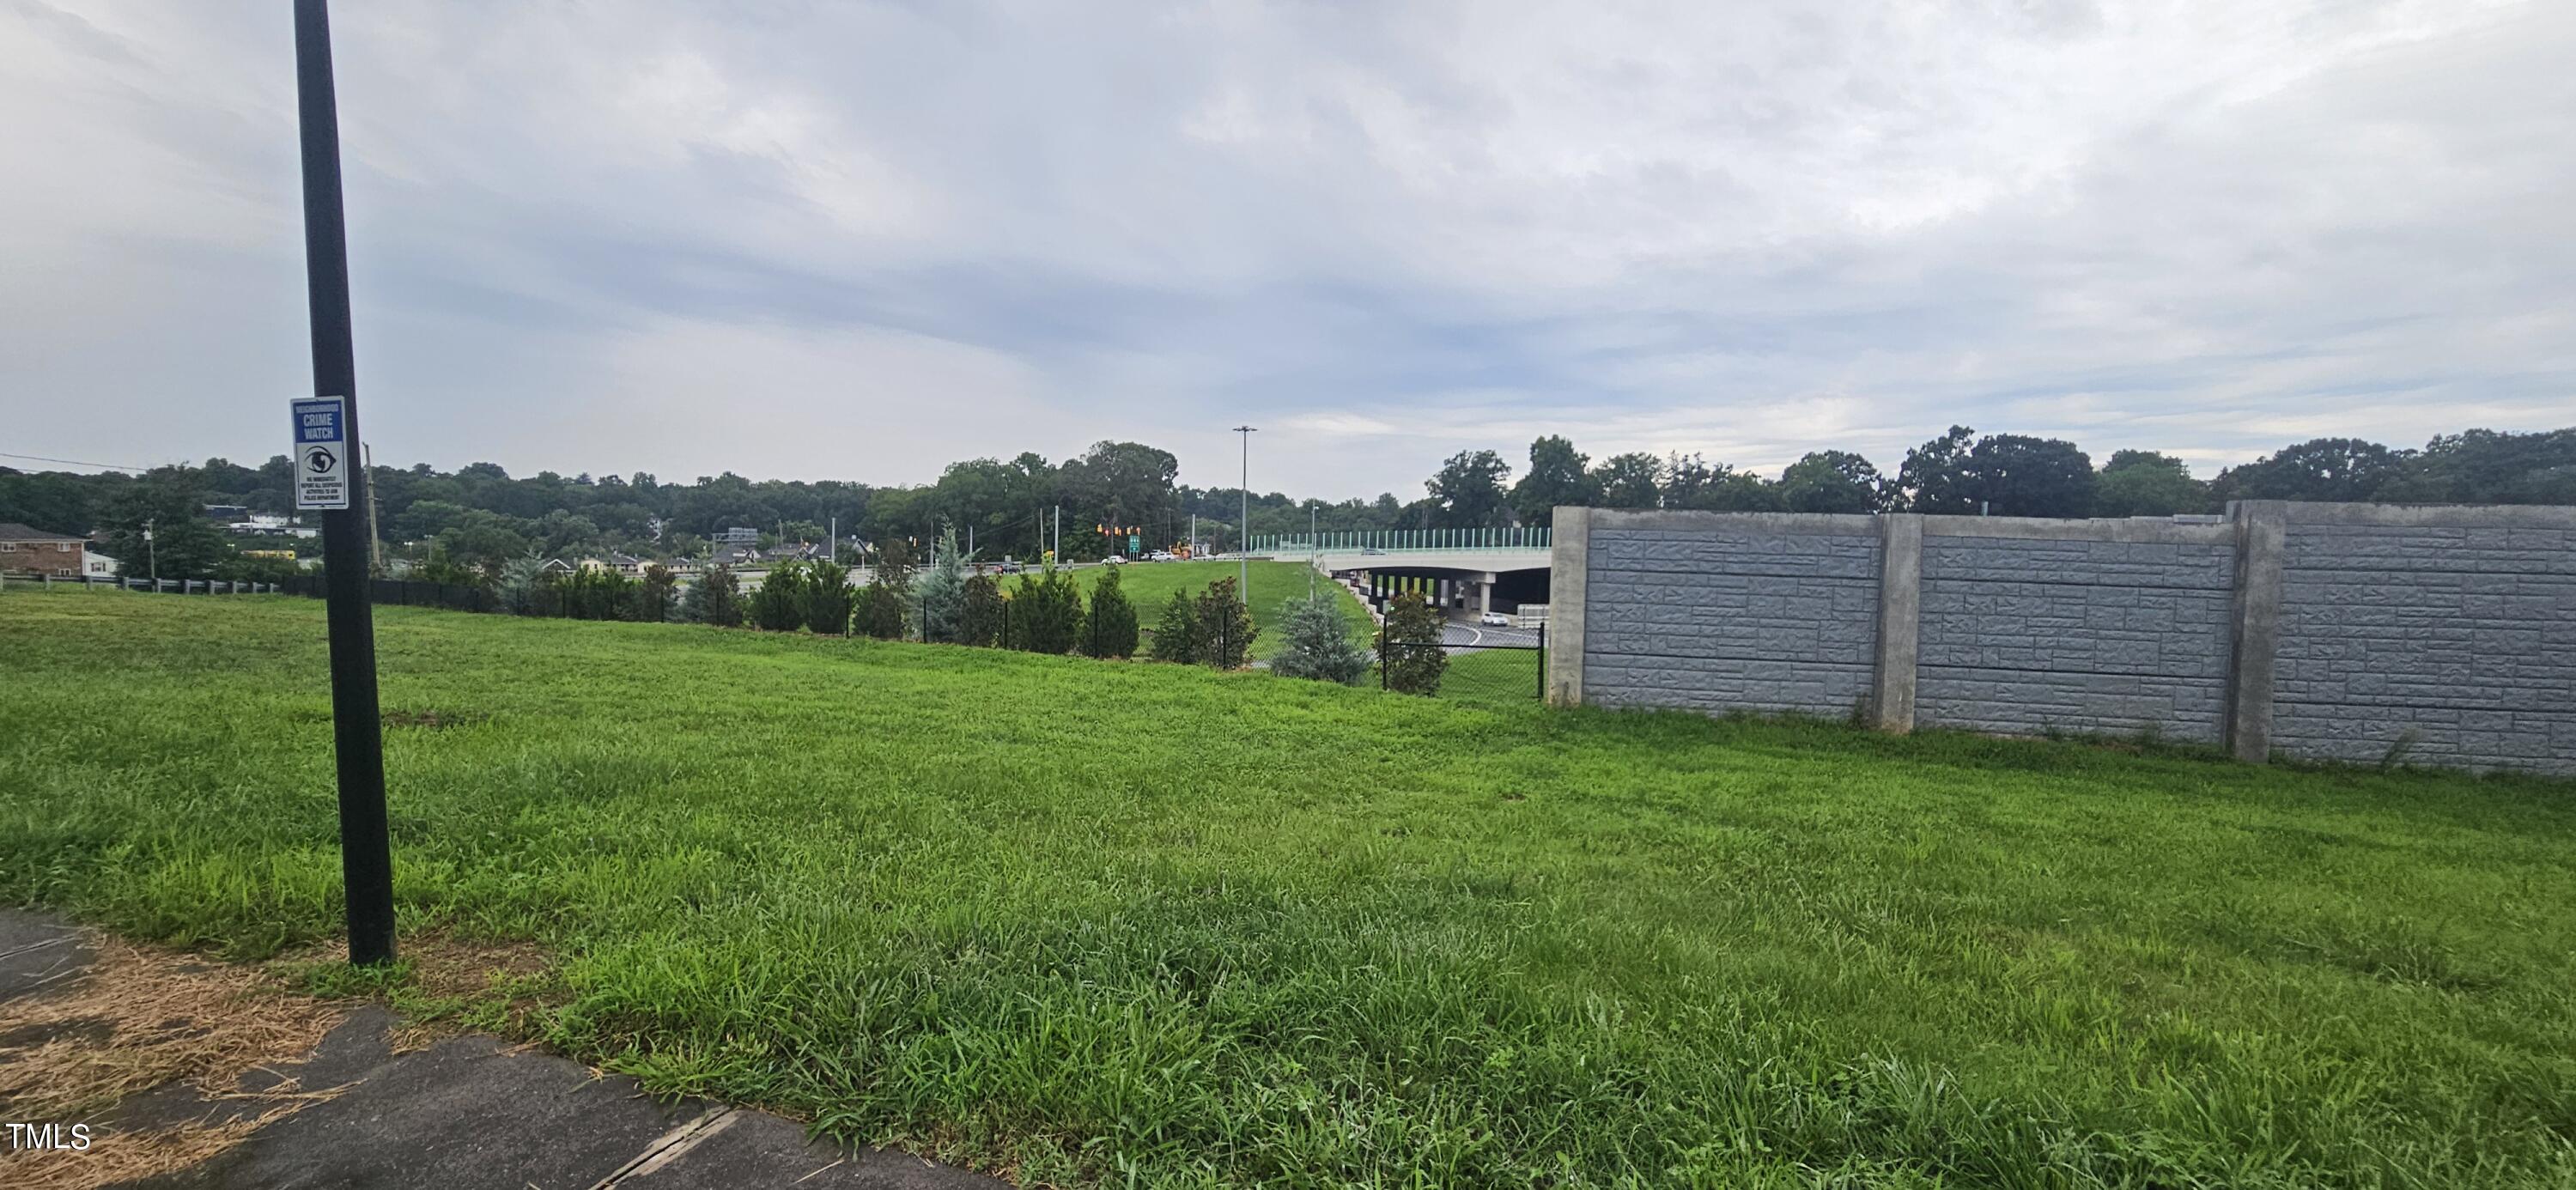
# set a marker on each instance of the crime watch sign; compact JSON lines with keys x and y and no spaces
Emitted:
{"x":321,"y":452}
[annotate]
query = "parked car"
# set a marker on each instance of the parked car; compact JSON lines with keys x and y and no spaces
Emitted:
{"x":1494,"y":620}
{"x":1160,"y":556}
{"x":1115,"y":560}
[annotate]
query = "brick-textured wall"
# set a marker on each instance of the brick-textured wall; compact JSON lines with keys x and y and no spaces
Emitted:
{"x":1731,"y":614}
{"x":2457,"y":641}
{"x":2443,"y":636}
{"x":2027,"y":636}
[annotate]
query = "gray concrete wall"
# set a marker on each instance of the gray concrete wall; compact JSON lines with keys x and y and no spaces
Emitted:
{"x":2332,"y":631}
{"x":2447,"y":635}
{"x":2086,"y":632}
{"x":1768,"y":613}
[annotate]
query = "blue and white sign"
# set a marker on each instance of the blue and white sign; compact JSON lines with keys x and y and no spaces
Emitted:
{"x":321,"y":452}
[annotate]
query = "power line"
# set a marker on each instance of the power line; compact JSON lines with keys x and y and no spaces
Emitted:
{"x":72,"y":462}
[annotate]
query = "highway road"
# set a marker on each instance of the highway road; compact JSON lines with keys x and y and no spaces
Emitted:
{"x":1462,"y":634}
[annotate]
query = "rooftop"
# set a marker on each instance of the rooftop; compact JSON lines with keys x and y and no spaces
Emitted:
{"x":13,"y":531}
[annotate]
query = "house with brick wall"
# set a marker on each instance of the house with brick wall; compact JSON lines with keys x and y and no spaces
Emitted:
{"x":30,"y":551}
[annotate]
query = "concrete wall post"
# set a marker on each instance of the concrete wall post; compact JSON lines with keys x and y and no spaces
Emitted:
{"x":1900,"y":621}
{"x":1569,"y":571}
{"x":2261,"y":526}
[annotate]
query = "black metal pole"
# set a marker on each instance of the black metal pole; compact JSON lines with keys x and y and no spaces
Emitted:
{"x":366,"y":853}
{"x":1542,"y":663}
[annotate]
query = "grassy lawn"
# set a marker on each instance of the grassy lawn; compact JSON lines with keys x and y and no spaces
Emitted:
{"x":1149,"y":585}
{"x":1118,"y":924}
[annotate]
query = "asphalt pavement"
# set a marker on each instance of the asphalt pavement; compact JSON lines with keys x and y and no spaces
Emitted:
{"x":466,"y":1113}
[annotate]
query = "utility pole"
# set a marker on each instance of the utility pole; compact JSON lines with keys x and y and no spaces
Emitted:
{"x":1243,"y":551}
{"x":375,"y":536}
{"x":357,"y":728}
{"x":151,"y":553}
{"x":1058,"y":551}
{"x":1194,"y":535}
{"x":1314,"y":553}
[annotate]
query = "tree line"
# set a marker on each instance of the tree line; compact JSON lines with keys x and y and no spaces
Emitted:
{"x":480,"y":517}
{"x":1962,"y":472}
{"x":943,"y":603}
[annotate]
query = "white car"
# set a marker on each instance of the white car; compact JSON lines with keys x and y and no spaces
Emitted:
{"x":1494,"y":620}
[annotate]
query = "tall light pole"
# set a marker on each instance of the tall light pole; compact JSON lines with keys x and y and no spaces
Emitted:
{"x":1243,"y":534}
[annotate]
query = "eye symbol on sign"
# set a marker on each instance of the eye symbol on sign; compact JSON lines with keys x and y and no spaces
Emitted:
{"x":319,"y":459}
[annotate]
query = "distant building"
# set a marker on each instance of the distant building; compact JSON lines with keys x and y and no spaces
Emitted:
{"x":227,"y":513}
{"x":28,"y":550}
{"x":737,"y":536}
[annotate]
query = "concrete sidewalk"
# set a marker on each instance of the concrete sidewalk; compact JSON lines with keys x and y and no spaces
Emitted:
{"x":465,"y":1113}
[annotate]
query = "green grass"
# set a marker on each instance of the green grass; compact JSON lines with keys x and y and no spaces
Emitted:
{"x":1149,"y":585}
{"x":1123,"y":924}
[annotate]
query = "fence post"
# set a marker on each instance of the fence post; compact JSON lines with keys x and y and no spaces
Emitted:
{"x":1894,"y":660}
{"x":2261,"y":528}
{"x":1381,"y":657}
{"x":1542,"y":662}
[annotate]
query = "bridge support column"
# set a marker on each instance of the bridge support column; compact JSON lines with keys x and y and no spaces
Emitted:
{"x":1485,"y":596}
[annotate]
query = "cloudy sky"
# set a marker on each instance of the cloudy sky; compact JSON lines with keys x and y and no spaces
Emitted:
{"x":857,"y":240}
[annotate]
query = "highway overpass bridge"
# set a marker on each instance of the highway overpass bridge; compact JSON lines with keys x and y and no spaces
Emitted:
{"x":1474,"y":570}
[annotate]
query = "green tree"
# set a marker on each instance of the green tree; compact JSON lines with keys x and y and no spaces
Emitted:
{"x":1046,"y":613}
{"x":1719,"y":488}
{"x":1225,"y":628}
{"x":1317,"y":643}
{"x":1830,"y":481}
{"x":2328,"y":469}
{"x":480,"y":538}
{"x":1469,"y":490}
{"x":1413,"y":660}
{"x":1109,"y":630}
{"x":184,"y":544}
{"x":2017,"y":475}
{"x":522,"y":586}
{"x":716,"y":598}
{"x":1632,"y":480}
{"x":1557,"y":476}
{"x":1960,"y":474}
{"x":940,"y":593}
{"x":2489,"y":467}
{"x":979,"y":620}
{"x":595,"y":593}
{"x":779,"y":604}
{"x":1176,"y":634}
{"x":2144,"y":483}
{"x":880,"y":612}
{"x":827,"y":598}
{"x":1937,"y":477}
{"x":655,"y":599}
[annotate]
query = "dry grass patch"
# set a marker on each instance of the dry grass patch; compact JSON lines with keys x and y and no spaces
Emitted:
{"x":139,"y":1019}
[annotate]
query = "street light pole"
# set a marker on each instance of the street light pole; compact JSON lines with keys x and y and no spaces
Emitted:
{"x":357,"y":729}
{"x":1243,"y":532}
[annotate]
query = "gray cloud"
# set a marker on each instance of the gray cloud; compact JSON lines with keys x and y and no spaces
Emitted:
{"x":860,"y":240}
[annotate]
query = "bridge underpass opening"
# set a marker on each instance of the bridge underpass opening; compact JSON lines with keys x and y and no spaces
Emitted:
{"x":1460,"y":590}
